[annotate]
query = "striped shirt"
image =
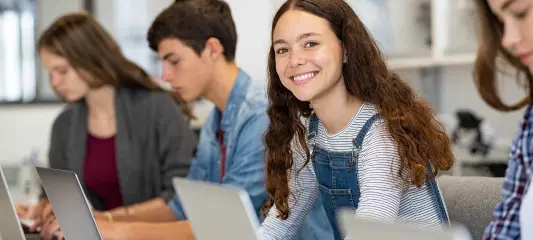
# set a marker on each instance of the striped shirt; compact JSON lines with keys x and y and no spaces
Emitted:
{"x":384,"y":194}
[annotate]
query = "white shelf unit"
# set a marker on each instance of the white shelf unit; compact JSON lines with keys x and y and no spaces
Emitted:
{"x":413,"y":63}
{"x":441,"y":32}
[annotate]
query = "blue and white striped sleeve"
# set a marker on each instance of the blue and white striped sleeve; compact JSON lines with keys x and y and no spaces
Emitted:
{"x":380,"y":184}
{"x":303,"y":193}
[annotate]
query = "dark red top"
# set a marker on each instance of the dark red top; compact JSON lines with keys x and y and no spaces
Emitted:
{"x":220,"y":138}
{"x":100,"y":171}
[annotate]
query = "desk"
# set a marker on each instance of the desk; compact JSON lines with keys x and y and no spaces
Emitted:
{"x":28,"y":237}
{"x":33,"y":237}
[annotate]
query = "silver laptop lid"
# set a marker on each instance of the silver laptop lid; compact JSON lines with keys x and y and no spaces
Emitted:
{"x":217,"y":211}
{"x":69,"y":203}
{"x":372,"y":230}
{"x":10,"y":228}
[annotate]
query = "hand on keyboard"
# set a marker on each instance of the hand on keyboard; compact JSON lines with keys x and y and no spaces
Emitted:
{"x":50,"y":229}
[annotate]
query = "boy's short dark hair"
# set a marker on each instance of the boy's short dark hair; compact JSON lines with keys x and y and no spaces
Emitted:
{"x":193,"y":22}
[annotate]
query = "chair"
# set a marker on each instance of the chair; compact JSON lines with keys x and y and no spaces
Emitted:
{"x":471,"y":200}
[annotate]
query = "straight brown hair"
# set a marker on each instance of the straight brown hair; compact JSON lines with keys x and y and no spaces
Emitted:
{"x":490,"y":49}
{"x":96,"y":56}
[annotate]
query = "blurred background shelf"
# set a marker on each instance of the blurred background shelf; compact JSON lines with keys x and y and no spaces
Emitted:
{"x":413,"y":63}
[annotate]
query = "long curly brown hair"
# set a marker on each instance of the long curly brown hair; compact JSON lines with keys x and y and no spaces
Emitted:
{"x":411,"y":123}
{"x":489,"y":50}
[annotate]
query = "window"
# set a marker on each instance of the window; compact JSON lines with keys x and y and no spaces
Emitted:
{"x":19,"y":75}
{"x":18,"y":70}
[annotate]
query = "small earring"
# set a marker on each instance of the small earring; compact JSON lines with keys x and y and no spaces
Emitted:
{"x":345,"y":60}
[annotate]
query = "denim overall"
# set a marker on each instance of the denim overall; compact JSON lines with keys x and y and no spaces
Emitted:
{"x":336,"y":173}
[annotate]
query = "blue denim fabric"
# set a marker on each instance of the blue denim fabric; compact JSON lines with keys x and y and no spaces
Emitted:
{"x":337,"y":177}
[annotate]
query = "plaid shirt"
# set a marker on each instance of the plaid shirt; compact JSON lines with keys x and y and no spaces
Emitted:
{"x":505,"y":223}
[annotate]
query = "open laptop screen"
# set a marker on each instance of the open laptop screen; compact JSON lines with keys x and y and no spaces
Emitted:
{"x":69,"y":203}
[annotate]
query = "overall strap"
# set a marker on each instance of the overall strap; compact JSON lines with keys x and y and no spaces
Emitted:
{"x":358,"y":140}
{"x":434,"y":188}
{"x":357,"y":145}
{"x":313,"y":127}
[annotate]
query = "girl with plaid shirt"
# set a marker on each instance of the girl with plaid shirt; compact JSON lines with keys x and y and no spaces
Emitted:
{"x":507,"y":31}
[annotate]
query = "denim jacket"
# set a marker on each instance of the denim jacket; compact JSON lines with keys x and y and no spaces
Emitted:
{"x":243,"y":123}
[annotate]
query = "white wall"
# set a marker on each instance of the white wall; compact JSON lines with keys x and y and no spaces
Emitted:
{"x":252,"y":19}
{"x":24,"y":129}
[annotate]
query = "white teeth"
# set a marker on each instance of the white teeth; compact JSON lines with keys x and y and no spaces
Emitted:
{"x":304,"y":76}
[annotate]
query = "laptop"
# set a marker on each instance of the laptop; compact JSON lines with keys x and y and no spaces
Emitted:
{"x":371,"y":230}
{"x":10,"y":226}
{"x":217,"y":211}
{"x":69,"y":203}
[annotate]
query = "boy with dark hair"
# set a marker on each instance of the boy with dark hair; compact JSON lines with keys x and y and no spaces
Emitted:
{"x":196,"y":40}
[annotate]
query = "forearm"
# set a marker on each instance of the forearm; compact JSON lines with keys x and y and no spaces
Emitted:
{"x":41,"y":206}
{"x":42,"y":202}
{"x":304,"y":191}
{"x":155,"y":210}
{"x":148,"y":231}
